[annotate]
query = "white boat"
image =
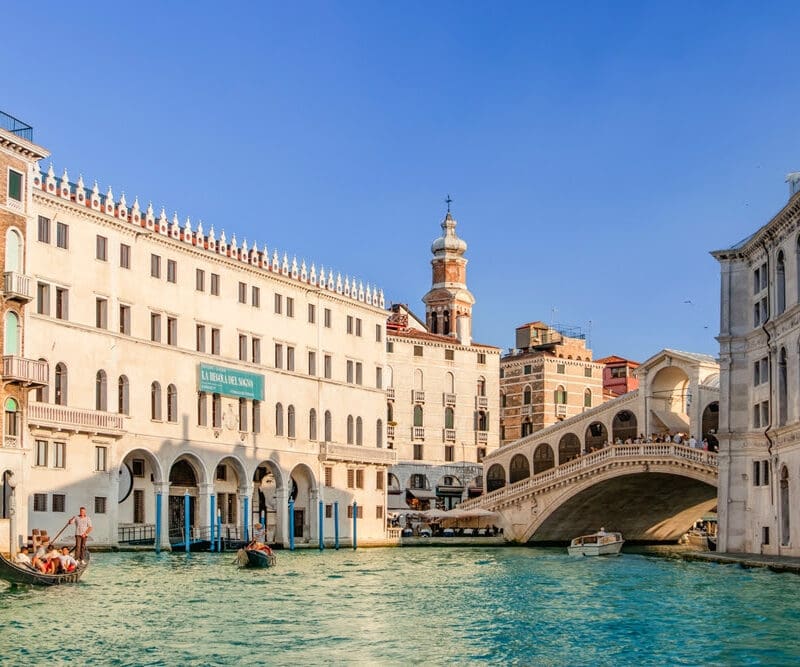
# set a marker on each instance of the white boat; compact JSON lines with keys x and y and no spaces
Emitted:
{"x":600,"y":543}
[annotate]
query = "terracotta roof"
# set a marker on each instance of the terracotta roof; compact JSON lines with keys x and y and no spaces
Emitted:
{"x":614,"y":359}
{"x":436,"y":338}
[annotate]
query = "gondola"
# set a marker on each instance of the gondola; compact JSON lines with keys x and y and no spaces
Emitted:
{"x":22,"y":574}
{"x":255,"y":558}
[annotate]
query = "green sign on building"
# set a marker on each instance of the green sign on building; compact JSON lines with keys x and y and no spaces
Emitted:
{"x":230,"y":382}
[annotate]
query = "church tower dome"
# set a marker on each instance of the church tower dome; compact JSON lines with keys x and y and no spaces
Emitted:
{"x":448,"y":304}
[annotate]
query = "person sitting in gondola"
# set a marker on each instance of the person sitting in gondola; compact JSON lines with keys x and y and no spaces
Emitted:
{"x":52,"y":562}
{"x":23,"y":558}
{"x":258,"y":546}
{"x":67,"y":562}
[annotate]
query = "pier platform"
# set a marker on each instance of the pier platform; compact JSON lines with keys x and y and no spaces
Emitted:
{"x":774,"y":563}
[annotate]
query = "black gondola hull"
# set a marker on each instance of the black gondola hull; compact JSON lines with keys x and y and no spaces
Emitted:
{"x":22,"y":574}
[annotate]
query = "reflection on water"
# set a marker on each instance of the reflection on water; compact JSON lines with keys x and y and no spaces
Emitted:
{"x":419,"y":605}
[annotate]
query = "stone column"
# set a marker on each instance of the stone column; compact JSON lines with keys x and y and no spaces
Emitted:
{"x":245,"y":518}
{"x":282,"y":517}
{"x":202,"y":515}
{"x":313,"y":519}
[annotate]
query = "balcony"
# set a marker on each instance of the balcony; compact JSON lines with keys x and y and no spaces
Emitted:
{"x":389,"y":393}
{"x":27,"y":372}
{"x":449,"y":435}
{"x":561,"y":410}
{"x":526,"y":410}
{"x":390,"y":432}
{"x":481,"y":402}
{"x":449,"y":400}
{"x":76,"y":420}
{"x":481,"y":437}
{"x":417,"y":432}
{"x":17,"y":287}
{"x":417,"y":396}
{"x":329,"y":451}
{"x":11,"y":442}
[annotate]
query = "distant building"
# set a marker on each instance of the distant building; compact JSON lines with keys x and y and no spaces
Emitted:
{"x":760,"y":374}
{"x":442,"y":396}
{"x":548,"y":377}
{"x":618,"y":375}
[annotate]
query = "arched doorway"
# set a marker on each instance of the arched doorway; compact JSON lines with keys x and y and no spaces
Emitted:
{"x":624,"y":427}
{"x":267,"y":481}
{"x":596,"y":436}
{"x":139,"y":474}
{"x":569,"y":447}
{"x":711,"y":425}
{"x":229,"y":487}
{"x":519,"y":468}
{"x":543,"y":458}
{"x":302,"y":492}
{"x":785,"y":507}
{"x":185,"y":476}
{"x":495,"y":478}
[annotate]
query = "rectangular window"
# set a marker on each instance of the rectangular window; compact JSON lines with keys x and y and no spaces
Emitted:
{"x":155,"y":327}
{"x":379,"y":378}
{"x":481,"y":358}
{"x":242,"y":347}
{"x":125,"y":320}
{"x":328,"y":511}
{"x":59,"y":502}
{"x":389,"y":347}
{"x":289,"y":306}
{"x":101,"y":248}
{"x":756,"y":415}
{"x":449,"y":355}
{"x":44,"y":229}
{"x":172,"y":331}
{"x":43,"y":298}
{"x":765,"y":414}
{"x":200,"y":337}
{"x":101,"y":313}
{"x":215,"y":284}
{"x":62,"y":303}
{"x":359,"y":373}
{"x":200,"y":280}
{"x":312,"y":363}
{"x":358,"y":326}
{"x":242,"y":292}
{"x":349,"y":324}
{"x":278,"y":304}
{"x":278,"y":355}
{"x":59,"y":449}
{"x":327,"y":367}
{"x":418,"y":350}
{"x":172,"y":271}
{"x":418,"y":452}
{"x":528,"y":369}
{"x":216,"y":342}
{"x":124,"y":256}
{"x":481,"y":454}
{"x":155,"y":266}
{"x":379,"y":480}
{"x":449,"y":453}
{"x":99,"y":505}
{"x":138,"y":506}
{"x":39,"y":502}
{"x":359,"y":479}
{"x":349,"y":372}
{"x":256,"y":349}
{"x":561,"y":369}
{"x":256,"y":416}
{"x":202,"y":408}
{"x":619,"y":372}
{"x":312,"y":313}
{"x":100,"y":459}
{"x":351,"y":478}
{"x":757,"y":281}
{"x":327,"y":318}
{"x":378,"y":333}
{"x":255,"y":297}
{"x":587,"y":372}
{"x":62,"y":235}
{"x":137,"y":468}
{"x":289,"y":358}
{"x":328,"y":476}
{"x":14,"y":185}
{"x":378,"y":511}
{"x":41,"y":453}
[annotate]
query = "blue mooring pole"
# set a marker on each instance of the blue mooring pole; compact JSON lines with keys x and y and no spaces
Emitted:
{"x":321,"y":535}
{"x":355,"y":532}
{"x":336,"y":525}
{"x":291,"y":524}
{"x":213,"y":514}
{"x":246,"y":519}
{"x":263,"y":517}
{"x":158,"y":522}
{"x":186,"y":525}
{"x":219,"y":530}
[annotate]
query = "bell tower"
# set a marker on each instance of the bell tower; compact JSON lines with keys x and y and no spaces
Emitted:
{"x":448,"y":304}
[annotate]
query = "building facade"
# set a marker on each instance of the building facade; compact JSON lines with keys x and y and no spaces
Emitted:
{"x":619,"y":375}
{"x":548,"y":377}
{"x":442,"y":392}
{"x":759,"y":431}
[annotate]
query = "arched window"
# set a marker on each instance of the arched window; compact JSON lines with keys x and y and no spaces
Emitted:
{"x":418,"y":417}
{"x":12,"y":425}
{"x":561,"y":395}
{"x":61,"y":384}
{"x":481,"y":388}
{"x":155,"y":401}
{"x":587,"y":398}
{"x":359,"y":431}
{"x":780,"y":286}
{"x":482,"y":421}
{"x":449,"y":418}
{"x":349,"y":429}
{"x":242,"y":414}
{"x":449,"y":383}
{"x":43,"y":392}
{"x":328,"y":426}
{"x":783,"y":386}
{"x":418,"y":384}
{"x":11,"y":334}
{"x":526,"y":395}
{"x":101,"y":391}
{"x":389,"y":376}
{"x":278,"y":419}
{"x":216,"y":411}
{"x":172,"y":403}
{"x":13,"y":251}
{"x":389,"y":412}
{"x":202,"y":412}
{"x":123,"y":395}
{"x":312,"y":424}
{"x":503,"y":400}
{"x":290,"y":429}
{"x":379,"y":433}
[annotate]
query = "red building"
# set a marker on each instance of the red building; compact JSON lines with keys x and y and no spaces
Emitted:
{"x":618,"y":375}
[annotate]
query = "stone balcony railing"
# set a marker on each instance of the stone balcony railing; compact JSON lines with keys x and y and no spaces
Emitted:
{"x":449,"y":435}
{"x":77,"y":420}
{"x":481,"y":437}
{"x":449,"y":400}
{"x":330,"y":451}
{"x":28,"y":372}
{"x":17,"y":286}
{"x":390,"y":432}
{"x":526,"y":410}
{"x":389,"y":393}
{"x":481,"y":402}
{"x":561,"y":410}
{"x":417,"y":396}
{"x":417,"y":432}
{"x":11,"y":442}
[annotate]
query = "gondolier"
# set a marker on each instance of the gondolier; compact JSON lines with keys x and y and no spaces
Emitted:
{"x":83,"y":526}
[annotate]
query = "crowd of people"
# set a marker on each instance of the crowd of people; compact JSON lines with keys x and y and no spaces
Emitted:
{"x":48,"y":560}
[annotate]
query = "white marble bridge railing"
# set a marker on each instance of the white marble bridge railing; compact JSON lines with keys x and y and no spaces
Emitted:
{"x":596,"y":460}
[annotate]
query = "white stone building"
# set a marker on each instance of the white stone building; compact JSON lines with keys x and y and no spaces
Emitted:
{"x":759,"y":380}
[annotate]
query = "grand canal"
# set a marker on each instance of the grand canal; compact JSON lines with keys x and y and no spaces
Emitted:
{"x":418,"y":605}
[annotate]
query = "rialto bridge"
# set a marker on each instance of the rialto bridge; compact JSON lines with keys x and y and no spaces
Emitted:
{"x":572,"y":478}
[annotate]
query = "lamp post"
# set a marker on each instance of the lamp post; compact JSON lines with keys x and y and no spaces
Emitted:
{"x":11,"y":483}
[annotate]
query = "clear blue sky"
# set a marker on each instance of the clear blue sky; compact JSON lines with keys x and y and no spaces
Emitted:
{"x":595,"y":151}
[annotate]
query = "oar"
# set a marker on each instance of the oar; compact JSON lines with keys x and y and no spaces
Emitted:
{"x":53,"y":541}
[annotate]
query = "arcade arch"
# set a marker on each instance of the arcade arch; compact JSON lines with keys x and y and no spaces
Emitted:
{"x":495,"y":478}
{"x":625,"y":426}
{"x":569,"y":447}
{"x":518,"y":468}
{"x":543,"y":458}
{"x":596,"y":436}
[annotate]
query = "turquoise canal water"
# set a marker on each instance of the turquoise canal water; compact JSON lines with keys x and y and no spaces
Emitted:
{"x":409,"y":605}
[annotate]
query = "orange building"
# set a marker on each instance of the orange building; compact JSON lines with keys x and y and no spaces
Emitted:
{"x":618,"y":377}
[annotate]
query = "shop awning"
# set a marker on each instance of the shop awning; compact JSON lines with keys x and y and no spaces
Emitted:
{"x":397,"y":501}
{"x":422,"y":494}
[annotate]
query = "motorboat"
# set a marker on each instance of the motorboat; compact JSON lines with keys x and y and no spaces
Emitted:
{"x":601,"y":543}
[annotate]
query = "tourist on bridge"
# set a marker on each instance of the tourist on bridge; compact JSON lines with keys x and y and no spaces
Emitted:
{"x":83,"y":526}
